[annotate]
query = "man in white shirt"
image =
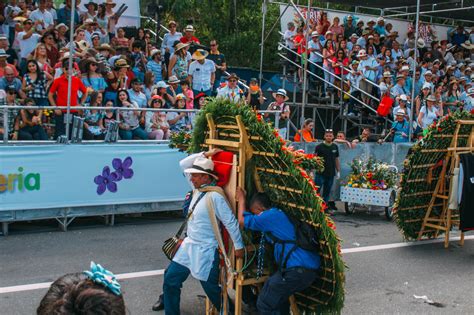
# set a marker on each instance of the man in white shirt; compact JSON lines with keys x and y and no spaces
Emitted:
{"x":198,"y":253}
{"x":202,"y":73}
{"x":28,"y":39}
{"x":46,"y":21}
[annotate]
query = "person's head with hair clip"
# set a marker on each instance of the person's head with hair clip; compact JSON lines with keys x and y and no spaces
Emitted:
{"x":92,"y":292}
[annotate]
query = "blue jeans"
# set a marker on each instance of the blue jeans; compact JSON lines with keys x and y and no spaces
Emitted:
{"x":129,"y":134}
{"x":176,"y":274}
{"x":325,"y":184}
{"x":273,"y":299}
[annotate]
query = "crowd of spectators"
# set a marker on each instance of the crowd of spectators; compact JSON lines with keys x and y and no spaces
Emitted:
{"x":122,"y":67}
{"x":113,"y":67}
{"x":372,"y":60}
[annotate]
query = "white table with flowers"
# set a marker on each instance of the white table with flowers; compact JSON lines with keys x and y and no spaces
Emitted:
{"x":371,"y":183}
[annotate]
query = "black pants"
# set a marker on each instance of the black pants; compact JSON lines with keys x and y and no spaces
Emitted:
{"x":32,"y":133}
{"x":273,"y":298}
{"x":60,"y":128}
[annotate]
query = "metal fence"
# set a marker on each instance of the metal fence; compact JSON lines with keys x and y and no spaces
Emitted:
{"x":6,"y":112}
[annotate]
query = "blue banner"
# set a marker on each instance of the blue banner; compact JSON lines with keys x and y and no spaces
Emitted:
{"x":53,"y":176}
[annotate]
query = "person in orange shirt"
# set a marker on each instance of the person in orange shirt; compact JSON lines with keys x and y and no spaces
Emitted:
{"x":306,"y":132}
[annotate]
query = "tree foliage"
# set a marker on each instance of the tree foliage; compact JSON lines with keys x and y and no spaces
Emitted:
{"x":236,"y":25}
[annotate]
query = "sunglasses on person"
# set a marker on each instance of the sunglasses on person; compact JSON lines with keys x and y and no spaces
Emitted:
{"x":212,"y":45}
{"x":233,"y":80}
{"x":28,"y":23}
{"x":12,"y":93}
{"x":93,"y":64}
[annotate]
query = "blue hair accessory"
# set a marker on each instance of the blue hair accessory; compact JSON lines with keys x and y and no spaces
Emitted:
{"x":102,"y":276}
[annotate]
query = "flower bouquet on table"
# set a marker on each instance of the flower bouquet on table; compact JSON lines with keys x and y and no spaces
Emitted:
{"x":372,"y":174}
{"x":371,"y":183}
{"x":180,"y":140}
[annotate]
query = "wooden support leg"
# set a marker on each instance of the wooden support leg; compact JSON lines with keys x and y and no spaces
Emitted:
{"x":293,"y":306}
{"x":461,"y":241}
{"x":238,"y":297}
{"x":448,"y":228}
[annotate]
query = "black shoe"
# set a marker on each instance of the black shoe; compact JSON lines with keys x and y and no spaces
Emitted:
{"x":160,"y":304}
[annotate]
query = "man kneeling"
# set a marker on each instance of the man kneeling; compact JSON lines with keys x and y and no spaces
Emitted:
{"x":297,"y":268}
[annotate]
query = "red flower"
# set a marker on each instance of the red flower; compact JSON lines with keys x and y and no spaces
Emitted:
{"x":259,"y":117}
{"x":369,"y":175}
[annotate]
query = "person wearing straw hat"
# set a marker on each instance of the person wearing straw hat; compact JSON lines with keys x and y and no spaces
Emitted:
{"x":156,"y":65}
{"x":429,"y":112}
{"x":202,"y":73}
{"x":188,"y":37}
{"x":198,"y":254}
{"x":91,"y":13}
{"x":178,"y":65}
{"x":231,"y":91}
{"x":368,"y":67}
{"x":279,"y":105}
{"x":402,"y":103}
{"x":44,"y":18}
{"x":167,"y":44}
{"x":399,"y":88}
{"x":400,"y":127}
{"x":469,"y":101}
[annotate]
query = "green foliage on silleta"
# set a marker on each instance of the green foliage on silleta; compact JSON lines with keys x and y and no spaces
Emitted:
{"x":291,"y":189}
{"x":425,"y":157}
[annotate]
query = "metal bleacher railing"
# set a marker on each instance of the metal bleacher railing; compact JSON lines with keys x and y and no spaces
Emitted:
{"x":284,"y":52}
{"x":6,"y":112}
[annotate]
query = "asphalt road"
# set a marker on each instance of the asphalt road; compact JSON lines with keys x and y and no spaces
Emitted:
{"x":379,"y":281}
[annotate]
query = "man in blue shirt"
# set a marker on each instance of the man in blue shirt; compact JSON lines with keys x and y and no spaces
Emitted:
{"x":297,"y":268}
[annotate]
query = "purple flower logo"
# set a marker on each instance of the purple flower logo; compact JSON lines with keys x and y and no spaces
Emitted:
{"x":122,"y":169}
{"x":108,"y":180}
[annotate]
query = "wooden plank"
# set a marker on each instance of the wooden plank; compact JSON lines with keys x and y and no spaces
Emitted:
{"x":442,"y":196}
{"x":286,"y":188}
{"x":270,"y":170}
{"x":221,"y":126}
{"x":223,"y":143}
{"x":424,"y":165}
{"x":418,"y":207}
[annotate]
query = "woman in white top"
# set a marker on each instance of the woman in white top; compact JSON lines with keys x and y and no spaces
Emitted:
{"x":429,"y":112}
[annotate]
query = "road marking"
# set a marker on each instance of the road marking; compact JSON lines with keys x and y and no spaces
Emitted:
{"x":397,"y":245}
{"x":160,"y":272}
{"x":45,"y":285}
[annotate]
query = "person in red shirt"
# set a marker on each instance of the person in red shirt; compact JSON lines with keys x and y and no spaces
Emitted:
{"x":58,"y":97}
{"x":300,"y":44}
{"x":190,"y":39}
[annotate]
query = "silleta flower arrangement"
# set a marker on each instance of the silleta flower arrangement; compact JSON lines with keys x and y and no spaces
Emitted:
{"x":180,"y":140}
{"x":372,"y":174}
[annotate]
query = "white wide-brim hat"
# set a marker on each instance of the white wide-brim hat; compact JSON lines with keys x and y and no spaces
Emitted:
{"x":202,"y":166}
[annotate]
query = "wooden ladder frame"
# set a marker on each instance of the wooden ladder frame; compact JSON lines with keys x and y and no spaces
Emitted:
{"x":245,"y":152}
{"x":448,"y":217}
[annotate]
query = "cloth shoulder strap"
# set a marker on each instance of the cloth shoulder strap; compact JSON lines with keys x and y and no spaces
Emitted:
{"x":215,"y":225}
{"x":190,"y":212}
